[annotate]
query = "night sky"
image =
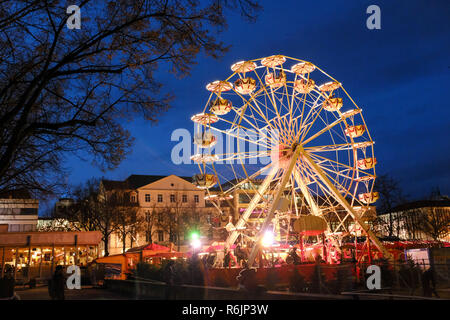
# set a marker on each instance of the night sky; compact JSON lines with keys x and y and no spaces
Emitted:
{"x":399,"y":76}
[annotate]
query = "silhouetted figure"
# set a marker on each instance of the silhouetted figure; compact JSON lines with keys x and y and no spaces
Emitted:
{"x":169,"y":273}
{"x":57,"y":284}
{"x":227,"y":260}
{"x":429,"y":283}
{"x":240,"y":254}
{"x":7,"y":285}
{"x":210,"y":260}
{"x":247,"y":281}
{"x":196,"y":270}
{"x":294,"y":256}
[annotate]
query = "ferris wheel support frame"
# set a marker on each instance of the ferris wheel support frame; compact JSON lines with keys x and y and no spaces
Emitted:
{"x":345,"y":204}
{"x":314,"y":207}
{"x":268,"y":219}
{"x":248,"y":211}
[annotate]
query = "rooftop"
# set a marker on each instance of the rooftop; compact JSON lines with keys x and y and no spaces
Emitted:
{"x":135,"y":181}
{"x":422,"y":204}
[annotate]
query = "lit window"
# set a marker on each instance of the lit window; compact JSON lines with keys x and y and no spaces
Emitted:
{"x":184,"y":198}
{"x":147,"y":197}
{"x":133,"y":198}
{"x":160,"y":198}
{"x":196,"y":198}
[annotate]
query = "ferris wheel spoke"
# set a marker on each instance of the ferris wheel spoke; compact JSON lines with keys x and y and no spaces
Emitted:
{"x":258,"y":142}
{"x":313,"y":112}
{"x":263,"y":86}
{"x":319,"y":133}
{"x":329,"y":148}
{"x":256,"y":132}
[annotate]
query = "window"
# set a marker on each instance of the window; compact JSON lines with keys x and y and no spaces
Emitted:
{"x":196,"y":199}
{"x":160,"y":198}
{"x":147,"y":216}
{"x":160,"y":235}
{"x":184,"y":198}
{"x":148,"y":236}
{"x":147,"y":197}
{"x":172,"y":198}
{"x":14,"y":228}
{"x":133,"y":198}
{"x":29,"y":211}
{"x":160,"y":217}
{"x":28,"y":227}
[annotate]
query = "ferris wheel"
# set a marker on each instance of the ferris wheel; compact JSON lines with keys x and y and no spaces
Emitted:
{"x":289,"y":125}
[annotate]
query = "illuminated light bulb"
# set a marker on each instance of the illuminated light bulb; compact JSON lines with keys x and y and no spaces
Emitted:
{"x":196,"y":243}
{"x":267,"y":239}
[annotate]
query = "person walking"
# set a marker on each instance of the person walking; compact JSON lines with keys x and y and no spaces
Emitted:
{"x":429,"y":283}
{"x":169,"y":279}
{"x":7,"y":285}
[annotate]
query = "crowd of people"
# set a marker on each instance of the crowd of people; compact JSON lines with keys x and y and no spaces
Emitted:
{"x":239,"y":258}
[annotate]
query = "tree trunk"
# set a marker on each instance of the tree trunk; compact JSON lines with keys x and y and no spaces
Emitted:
{"x":106,"y":244}
{"x":391,"y":225}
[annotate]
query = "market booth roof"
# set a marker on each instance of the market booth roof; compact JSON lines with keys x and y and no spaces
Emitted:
{"x":150,"y":247}
{"x":59,"y":238}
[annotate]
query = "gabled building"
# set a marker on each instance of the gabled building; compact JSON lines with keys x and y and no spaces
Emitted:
{"x":169,"y":207}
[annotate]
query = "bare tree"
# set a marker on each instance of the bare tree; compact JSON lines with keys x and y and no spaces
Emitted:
{"x":127,"y":221}
{"x":178,"y":219}
{"x":434,"y":222}
{"x":68,"y":91}
{"x":92,"y":211}
{"x":390,"y":196}
{"x":151,"y":223}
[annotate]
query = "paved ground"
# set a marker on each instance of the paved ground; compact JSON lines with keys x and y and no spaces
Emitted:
{"x":90,"y":293}
{"x":85,"y":293}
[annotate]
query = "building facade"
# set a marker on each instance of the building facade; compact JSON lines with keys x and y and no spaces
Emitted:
{"x":170,"y":208}
{"x":34,"y":255}
{"x":18,"y":211}
{"x":418,"y":220}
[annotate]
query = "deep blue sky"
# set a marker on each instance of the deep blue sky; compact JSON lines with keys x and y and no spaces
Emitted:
{"x":399,"y":76}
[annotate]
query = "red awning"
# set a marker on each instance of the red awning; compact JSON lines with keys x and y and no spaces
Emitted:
{"x":150,"y":247}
